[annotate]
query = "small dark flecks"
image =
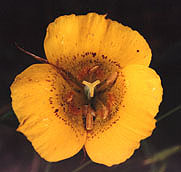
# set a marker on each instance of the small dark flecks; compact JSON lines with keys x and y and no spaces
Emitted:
{"x":93,"y":54}
{"x":87,"y":53}
{"x":74,"y":57}
{"x":51,"y":90}
{"x":56,"y":110}
{"x":104,"y":57}
{"x":114,"y":122}
{"x":118,"y":65}
{"x":57,"y":62}
{"x":137,"y":51}
{"x":48,"y":80}
{"x":29,"y":79}
{"x":117,"y":109}
{"x":50,"y":100}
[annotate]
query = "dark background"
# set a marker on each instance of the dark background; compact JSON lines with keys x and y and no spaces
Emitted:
{"x":25,"y":22}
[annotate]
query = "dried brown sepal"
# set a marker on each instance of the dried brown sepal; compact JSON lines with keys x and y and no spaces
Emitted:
{"x":65,"y":74}
{"x":31,"y":54}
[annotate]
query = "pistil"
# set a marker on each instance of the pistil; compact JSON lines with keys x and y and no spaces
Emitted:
{"x":90,"y":88}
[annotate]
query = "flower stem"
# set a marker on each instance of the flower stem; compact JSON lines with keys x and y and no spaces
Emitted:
{"x":168,"y":113}
{"x":48,"y":167}
{"x":82,"y":166}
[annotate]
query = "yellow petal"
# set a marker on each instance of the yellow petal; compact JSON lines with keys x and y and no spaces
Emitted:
{"x":38,"y":99}
{"x":115,"y":140}
{"x":72,"y":39}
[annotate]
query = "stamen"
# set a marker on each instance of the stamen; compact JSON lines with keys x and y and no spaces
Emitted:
{"x":69,"y":97}
{"x":89,"y":121}
{"x":103,"y":110}
{"x":89,"y":88}
{"x":108,"y":83}
{"x":89,"y":115}
{"x":93,"y":69}
{"x":111,"y":78}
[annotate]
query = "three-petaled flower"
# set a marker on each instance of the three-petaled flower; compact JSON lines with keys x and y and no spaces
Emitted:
{"x":95,"y":91}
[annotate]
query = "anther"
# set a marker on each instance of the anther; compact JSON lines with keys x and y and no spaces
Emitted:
{"x":89,"y":121}
{"x":108,"y":83}
{"x":103,"y":110}
{"x":89,"y":114}
{"x":93,"y":69}
{"x":89,"y":88}
{"x":111,"y":79}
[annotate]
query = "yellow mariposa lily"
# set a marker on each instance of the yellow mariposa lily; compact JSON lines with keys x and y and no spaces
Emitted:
{"x":95,"y":91}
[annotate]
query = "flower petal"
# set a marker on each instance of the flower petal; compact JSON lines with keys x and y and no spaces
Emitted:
{"x":114,"y":141}
{"x":71,"y":39}
{"x":38,"y":101}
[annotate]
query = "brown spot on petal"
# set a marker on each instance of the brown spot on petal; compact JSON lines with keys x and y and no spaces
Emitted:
{"x":56,"y":110}
{"x":93,"y":54}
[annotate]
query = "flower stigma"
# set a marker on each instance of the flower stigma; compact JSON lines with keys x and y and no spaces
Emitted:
{"x":89,"y":88}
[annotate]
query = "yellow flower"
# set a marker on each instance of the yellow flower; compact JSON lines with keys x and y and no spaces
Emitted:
{"x":96,"y":91}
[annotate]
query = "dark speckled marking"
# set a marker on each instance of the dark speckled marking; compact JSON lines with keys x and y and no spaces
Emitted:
{"x":93,"y":54}
{"x":50,"y":100}
{"x":56,"y":110}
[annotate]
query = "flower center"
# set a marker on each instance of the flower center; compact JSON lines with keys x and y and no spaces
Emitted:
{"x":94,"y":95}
